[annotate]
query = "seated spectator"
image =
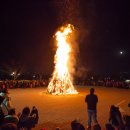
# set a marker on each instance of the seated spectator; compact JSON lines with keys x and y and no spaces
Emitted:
{"x":76,"y":125}
{"x":1,"y":112}
{"x":109,"y":127}
{"x":127,"y":122}
{"x":4,"y":92}
{"x":11,"y":117}
{"x":9,"y":126}
{"x":116,"y":118}
{"x":96,"y":127}
{"x":28,"y":120}
{"x":6,"y":104}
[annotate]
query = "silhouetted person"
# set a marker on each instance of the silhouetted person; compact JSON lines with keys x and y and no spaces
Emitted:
{"x":76,"y":125}
{"x":11,"y":117}
{"x":116,"y":118}
{"x":9,"y":126}
{"x":6,"y":104}
{"x":28,"y":120}
{"x":109,"y":127}
{"x":1,"y":111}
{"x":96,"y":127}
{"x":91,"y":100}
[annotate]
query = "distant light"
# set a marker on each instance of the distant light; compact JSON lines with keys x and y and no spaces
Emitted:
{"x":12,"y":73}
{"x":121,"y":52}
{"x":127,"y":81}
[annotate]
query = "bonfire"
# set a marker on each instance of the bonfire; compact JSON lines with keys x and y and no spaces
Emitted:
{"x":61,"y":81}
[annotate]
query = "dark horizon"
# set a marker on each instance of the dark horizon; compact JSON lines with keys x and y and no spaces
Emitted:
{"x":28,"y":29}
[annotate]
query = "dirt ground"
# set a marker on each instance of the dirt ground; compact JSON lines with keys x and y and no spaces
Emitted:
{"x":59,"y":111}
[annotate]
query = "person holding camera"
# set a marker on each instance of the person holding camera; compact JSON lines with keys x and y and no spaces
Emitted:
{"x":28,"y":119}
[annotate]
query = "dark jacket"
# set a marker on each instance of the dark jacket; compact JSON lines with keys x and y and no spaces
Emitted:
{"x":91,"y":101}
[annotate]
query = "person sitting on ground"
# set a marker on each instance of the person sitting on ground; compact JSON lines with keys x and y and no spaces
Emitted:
{"x":1,"y":112}
{"x":127,"y":120}
{"x":76,"y":125}
{"x":28,"y":120}
{"x":116,"y":118}
{"x":9,"y":126}
{"x":97,"y":127}
{"x":11,"y":117}
{"x":6,"y":104}
{"x":109,"y":126}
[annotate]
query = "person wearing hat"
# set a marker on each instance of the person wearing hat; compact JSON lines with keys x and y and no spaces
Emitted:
{"x":91,"y":101}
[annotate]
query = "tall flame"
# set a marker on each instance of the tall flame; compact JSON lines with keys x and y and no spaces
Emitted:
{"x":61,"y":82}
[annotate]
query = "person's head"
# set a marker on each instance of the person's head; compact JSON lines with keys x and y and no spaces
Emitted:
{"x":9,"y":126}
{"x":5,"y":91}
{"x":11,"y":111}
{"x":114,"y":108}
{"x":92,"y":90}
{"x":96,"y":127}
{"x":26,"y":111}
{"x":1,"y":99}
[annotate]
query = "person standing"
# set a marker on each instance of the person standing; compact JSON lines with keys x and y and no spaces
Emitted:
{"x":91,"y":101}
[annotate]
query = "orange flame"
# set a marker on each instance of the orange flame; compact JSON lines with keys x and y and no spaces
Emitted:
{"x":61,"y":80}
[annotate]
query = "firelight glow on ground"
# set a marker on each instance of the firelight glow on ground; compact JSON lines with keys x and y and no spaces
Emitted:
{"x":60,"y":110}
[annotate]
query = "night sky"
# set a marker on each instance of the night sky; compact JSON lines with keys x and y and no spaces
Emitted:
{"x":28,"y":28}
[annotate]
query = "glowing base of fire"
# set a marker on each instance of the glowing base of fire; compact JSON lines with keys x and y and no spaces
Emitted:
{"x":58,"y":88}
{"x":63,"y":93}
{"x":55,"y":93}
{"x":60,"y":92}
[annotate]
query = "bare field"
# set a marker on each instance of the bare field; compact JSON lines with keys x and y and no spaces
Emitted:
{"x":59,"y":111}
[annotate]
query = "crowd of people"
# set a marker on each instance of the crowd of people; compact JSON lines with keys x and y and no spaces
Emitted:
{"x":10,"y":120}
{"x":105,"y":82}
{"x":28,"y":118}
{"x":41,"y":83}
{"x":22,"y":83}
